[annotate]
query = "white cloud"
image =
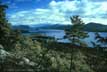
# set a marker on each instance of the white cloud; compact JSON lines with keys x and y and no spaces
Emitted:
{"x":37,"y":16}
{"x":59,"y":12}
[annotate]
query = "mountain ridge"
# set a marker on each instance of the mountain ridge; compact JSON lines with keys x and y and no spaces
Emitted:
{"x":93,"y":27}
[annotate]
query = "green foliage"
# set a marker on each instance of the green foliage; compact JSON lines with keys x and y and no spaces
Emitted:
{"x":4,"y":26}
{"x":53,"y":60}
{"x":8,"y":37}
{"x":76,"y":33}
{"x":100,"y":41}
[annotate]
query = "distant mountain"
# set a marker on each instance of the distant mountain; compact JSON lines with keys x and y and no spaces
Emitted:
{"x":54,"y":26}
{"x":88,"y":27}
{"x":24,"y":27}
{"x":95,"y":27}
{"x":40,"y":25}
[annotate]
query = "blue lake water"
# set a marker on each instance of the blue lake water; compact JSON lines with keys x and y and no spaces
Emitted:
{"x":59,"y":34}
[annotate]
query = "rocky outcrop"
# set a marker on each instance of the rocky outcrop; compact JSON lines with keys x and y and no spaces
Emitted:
{"x":8,"y":60}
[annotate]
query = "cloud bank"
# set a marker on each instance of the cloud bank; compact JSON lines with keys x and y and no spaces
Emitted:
{"x":58,"y":12}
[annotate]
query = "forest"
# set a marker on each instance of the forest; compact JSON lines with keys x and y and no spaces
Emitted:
{"x":20,"y":53}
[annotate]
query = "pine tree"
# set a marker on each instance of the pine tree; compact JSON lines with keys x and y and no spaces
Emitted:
{"x":75,"y":34}
{"x":101,"y":40}
{"x":8,"y":37}
{"x":4,"y":26}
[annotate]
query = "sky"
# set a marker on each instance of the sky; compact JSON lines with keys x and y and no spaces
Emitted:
{"x":31,"y":12}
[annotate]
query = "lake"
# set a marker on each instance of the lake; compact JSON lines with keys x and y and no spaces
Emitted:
{"x":59,"y":34}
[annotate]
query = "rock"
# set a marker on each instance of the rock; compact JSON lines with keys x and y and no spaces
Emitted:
{"x":26,"y":60}
{"x":1,"y":47}
{"x":3,"y":54}
{"x":32,"y":64}
{"x":21,"y":63}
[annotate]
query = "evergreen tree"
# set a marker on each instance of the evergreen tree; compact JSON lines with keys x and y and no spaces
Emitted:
{"x":75,"y":34}
{"x":4,"y":26}
{"x":101,"y":40}
{"x":8,"y":37}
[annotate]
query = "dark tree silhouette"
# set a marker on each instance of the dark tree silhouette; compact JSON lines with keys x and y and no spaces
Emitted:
{"x":8,"y":37}
{"x":4,"y":26}
{"x":100,"y":39}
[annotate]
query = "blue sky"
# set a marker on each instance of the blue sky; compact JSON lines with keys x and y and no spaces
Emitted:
{"x":31,"y":12}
